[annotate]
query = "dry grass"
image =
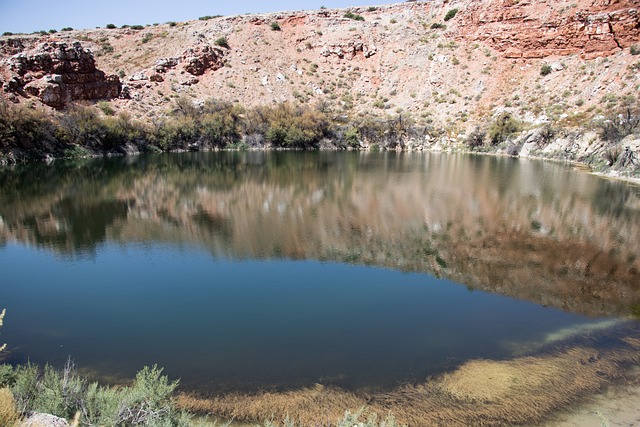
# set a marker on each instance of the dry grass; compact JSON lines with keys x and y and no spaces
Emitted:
{"x":480,"y":392}
{"x":319,"y":405}
{"x":8,"y":414}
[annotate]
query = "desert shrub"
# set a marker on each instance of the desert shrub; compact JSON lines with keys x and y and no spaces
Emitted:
{"x":176,"y":133}
{"x":547,"y":132}
{"x":111,"y":26}
{"x":502,"y":128}
{"x":220,"y":124}
{"x":612,"y":154}
{"x":353,"y":16}
{"x":172,"y":23}
{"x":67,"y":29}
{"x":106,"y":108}
{"x":619,"y":124}
{"x":8,"y":414}
{"x":437,"y":26}
{"x":275,"y":26}
{"x":120,"y":130}
{"x":545,"y":70}
{"x":7,"y":33}
{"x":286,"y":125}
{"x":82,"y":126}
{"x":475,"y":138}
{"x":634,"y":49}
{"x":352,"y":137}
{"x":450,"y":14}
{"x":222,"y":42}
{"x":207,"y":17}
{"x":137,"y":27}
{"x":24,"y":127}
{"x":148,"y":401}
{"x":25,"y":386}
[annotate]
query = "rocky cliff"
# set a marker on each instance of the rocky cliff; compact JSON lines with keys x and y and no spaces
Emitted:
{"x":58,"y":74}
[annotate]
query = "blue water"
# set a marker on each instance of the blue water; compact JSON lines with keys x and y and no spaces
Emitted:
{"x":249,"y":271}
{"x":220,"y":324}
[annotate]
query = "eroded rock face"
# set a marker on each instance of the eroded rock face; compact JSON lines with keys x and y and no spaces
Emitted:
{"x":200,"y":59}
{"x":57,"y":74}
{"x":538,"y":30}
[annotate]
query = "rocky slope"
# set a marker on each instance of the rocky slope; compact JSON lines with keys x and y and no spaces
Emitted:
{"x":542,"y":61}
{"x":488,"y":55}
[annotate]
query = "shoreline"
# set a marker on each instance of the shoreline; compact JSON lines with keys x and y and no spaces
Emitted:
{"x":578,"y":165}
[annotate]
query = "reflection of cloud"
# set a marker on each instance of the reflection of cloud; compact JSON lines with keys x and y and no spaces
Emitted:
{"x":530,"y":346}
{"x":565,"y":333}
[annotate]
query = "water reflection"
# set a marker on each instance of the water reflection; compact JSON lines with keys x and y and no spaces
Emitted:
{"x":533,"y":230}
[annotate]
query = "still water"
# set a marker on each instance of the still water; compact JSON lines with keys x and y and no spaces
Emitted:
{"x":254,"y":270}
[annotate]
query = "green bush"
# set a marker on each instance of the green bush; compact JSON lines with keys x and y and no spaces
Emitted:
{"x":25,"y":128}
{"x":450,"y":14}
{"x":354,"y":16}
{"x":545,"y":70}
{"x":634,"y":49}
{"x":502,"y":128}
{"x":476,"y":138}
{"x":438,"y":26}
{"x":111,"y":26}
{"x":275,"y":26}
{"x":149,"y":401}
{"x":222,"y":42}
{"x":293,"y":126}
{"x":352,"y":137}
{"x":7,"y":33}
{"x":67,"y":29}
{"x":137,"y":27}
{"x":106,"y":108}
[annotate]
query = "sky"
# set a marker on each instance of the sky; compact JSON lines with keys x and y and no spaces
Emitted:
{"x":27,"y":16}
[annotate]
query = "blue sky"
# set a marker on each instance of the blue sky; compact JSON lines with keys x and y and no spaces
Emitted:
{"x":26,"y":16}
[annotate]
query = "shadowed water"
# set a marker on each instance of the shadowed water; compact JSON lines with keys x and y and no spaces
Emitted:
{"x":243,"y":271}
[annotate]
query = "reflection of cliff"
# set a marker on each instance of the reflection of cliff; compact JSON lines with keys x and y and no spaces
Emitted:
{"x":532,"y":230}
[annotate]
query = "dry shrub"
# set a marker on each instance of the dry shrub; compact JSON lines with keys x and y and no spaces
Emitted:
{"x":480,"y":392}
{"x":8,"y":413}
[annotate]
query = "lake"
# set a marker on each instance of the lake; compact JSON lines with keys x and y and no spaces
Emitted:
{"x":244,"y":271}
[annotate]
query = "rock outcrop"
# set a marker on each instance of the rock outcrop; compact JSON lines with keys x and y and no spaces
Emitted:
{"x":57,"y":74}
{"x":200,"y":59}
{"x":537,"y":29}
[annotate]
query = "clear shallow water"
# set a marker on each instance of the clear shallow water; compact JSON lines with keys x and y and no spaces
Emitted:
{"x":242,"y":271}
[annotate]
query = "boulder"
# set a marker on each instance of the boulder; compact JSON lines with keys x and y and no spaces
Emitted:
{"x":36,"y":419}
